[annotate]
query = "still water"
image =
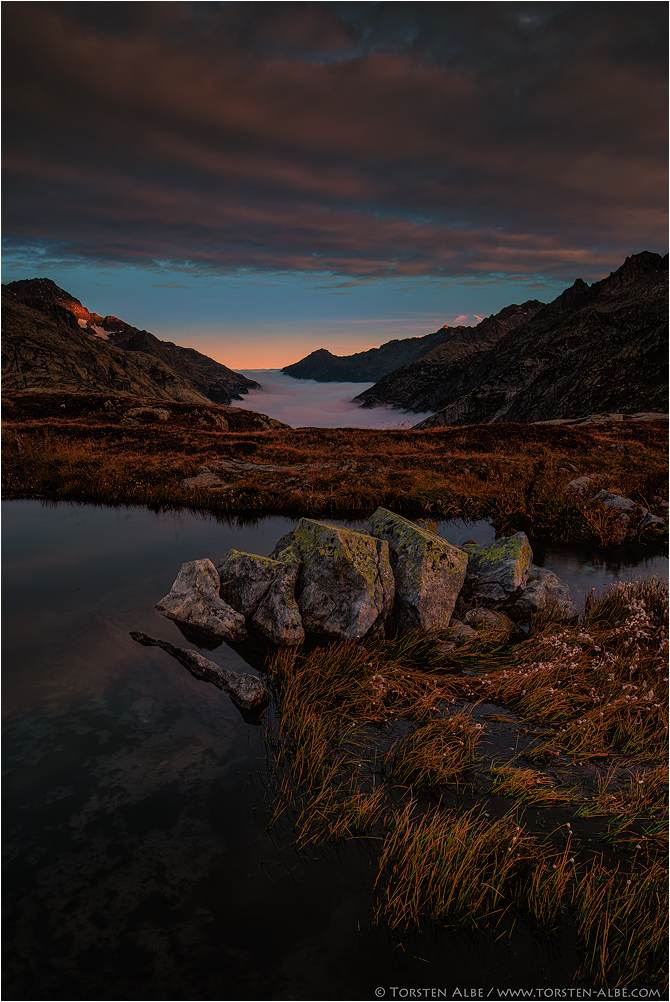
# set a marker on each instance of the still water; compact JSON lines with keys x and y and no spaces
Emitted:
{"x":138,"y":864}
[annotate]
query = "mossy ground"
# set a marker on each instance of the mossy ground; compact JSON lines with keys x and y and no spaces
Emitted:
{"x":68,"y":447}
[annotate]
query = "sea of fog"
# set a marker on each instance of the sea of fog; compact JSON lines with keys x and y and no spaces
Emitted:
{"x":308,"y":403}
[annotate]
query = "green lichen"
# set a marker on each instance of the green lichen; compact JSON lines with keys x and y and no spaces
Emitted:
{"x":344,"y":548}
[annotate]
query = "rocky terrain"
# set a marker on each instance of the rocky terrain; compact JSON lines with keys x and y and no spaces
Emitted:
{"x":47,"y":352}
{"x":346,"y":584}
{"x":368,"y":366}
{"x":208,"y":378}
{"x":598,"y":348}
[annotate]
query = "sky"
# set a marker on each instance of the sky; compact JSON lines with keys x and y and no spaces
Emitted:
{"x":258,"y":180}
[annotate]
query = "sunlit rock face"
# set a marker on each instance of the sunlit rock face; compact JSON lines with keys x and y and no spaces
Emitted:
{"x":428,"y":571}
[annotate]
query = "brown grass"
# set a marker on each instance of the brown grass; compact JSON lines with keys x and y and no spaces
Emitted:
{"x":83,"y":453}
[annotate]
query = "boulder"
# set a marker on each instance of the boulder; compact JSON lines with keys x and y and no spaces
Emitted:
{"x":345,"y":586}
{"x":499,"y":571}
{"x":490,"y":620}
{"x":264,"y":590}
{"x":544,"y":591}
{"x":194,"y":599}
{"x":246,"y":691}
{"x":457,"y":634}
{"x":428,"y":571}
{"x":633,"y":518}
{"x":585,"y":484}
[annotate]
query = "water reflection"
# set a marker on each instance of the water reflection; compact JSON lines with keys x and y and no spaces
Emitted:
{"x":138,"y":864}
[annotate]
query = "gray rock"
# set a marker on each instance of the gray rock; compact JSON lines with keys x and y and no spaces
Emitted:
{"x":204,"y":478}
{"x":457,"y":634}
{"x":277,"y":614}
{"x":246,"y":691}
{"x":617,"y":501}
{"x":586,"y":483}
{"x":650,"y":520}
{"x":489,"y":619}
{"x":345,"y":586}
{"x":544,"y":591}
{"x":498,"y":571}
{"x":148,"y":412}
{"x":263,"y":589}
{"x":633,"y":518}
{"x":194,"y":599}
{"x":428,"y":571}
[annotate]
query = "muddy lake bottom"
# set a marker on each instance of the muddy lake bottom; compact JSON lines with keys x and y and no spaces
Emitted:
{"x":138,"y":863}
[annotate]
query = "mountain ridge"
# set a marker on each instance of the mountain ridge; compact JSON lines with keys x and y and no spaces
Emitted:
{"x":212,"y":379}
{"x":593,"y":349}
{"x":366,"y":366}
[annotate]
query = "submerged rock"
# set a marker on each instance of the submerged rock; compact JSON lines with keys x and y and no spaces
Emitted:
{"x":544,"y":592}
{"x":194,"y":599}
{"x":498,"y":571}
{"x":428,"y":571}
{"x":264,"y":590}
{"x":345,"y":586}
{"x":246,"y":691}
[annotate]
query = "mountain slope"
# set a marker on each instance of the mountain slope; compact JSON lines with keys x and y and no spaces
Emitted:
{"x":594,"y":348}
{"x":418,"y":386}
{"x":42,"y":352}
{"x":212,"y":379}
{"x":366,"y":366}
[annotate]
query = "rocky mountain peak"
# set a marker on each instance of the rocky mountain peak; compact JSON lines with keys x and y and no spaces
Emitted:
{"x":45,"y":290}
{"x":644,"y":268}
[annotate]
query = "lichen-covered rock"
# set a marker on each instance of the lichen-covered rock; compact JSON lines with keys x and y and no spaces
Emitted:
{"x":345,"y":585}
{"x":428,"y":571}
{"x":286,"y":550}
{"x":544,"y":591}
{"x":194,"y":599}
{"x":263,"y":590}
{"x":498,"y":571}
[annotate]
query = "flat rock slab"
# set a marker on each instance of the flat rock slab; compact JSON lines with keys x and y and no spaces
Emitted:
{"x":194,"y":599}
{"x":246,"y":691}
{"x":428,"y":571}
{"x":345,"y":584}
{"x":500,"y":570}
{"x":204,"y":478}
{"x":263,"y":590}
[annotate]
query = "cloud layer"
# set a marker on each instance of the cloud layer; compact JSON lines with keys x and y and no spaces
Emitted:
{"x":362,"y":139}
{"x":304,"y":403}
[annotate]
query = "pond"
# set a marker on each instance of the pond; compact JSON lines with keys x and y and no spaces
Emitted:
{"x":138,"y":864}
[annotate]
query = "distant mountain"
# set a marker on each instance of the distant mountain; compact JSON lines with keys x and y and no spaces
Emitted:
{"x":595,"y":348}
{"x":366,"y":366}
{"x":417,"y":386}
{"x":213,"y":380}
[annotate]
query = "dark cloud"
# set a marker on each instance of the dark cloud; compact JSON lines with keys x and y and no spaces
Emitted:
{"x":361,"y":139}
